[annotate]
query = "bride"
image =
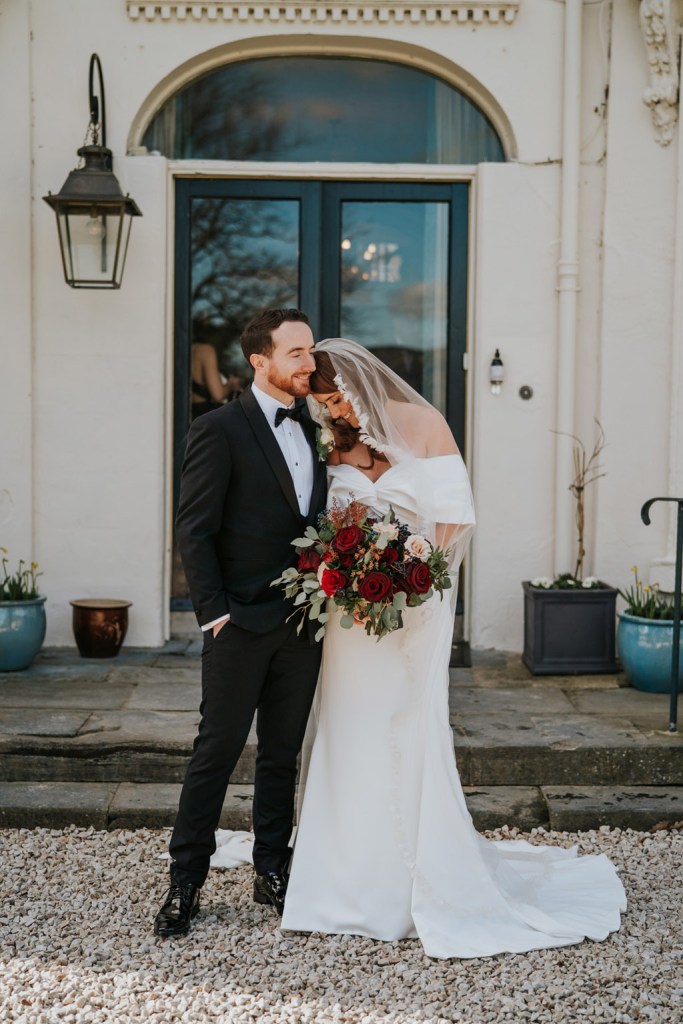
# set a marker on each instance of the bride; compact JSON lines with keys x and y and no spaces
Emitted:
{"x":385,"y":845}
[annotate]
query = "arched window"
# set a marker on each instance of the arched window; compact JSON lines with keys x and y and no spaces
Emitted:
{"x":332,"y":109}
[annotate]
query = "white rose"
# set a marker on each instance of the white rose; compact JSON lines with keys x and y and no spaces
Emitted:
{"x":418,"y":547}
{"x":390,"y":530}
{"x":326,"y":436}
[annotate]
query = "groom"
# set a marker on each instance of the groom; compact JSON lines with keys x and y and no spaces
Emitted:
{"x":251,"y":482}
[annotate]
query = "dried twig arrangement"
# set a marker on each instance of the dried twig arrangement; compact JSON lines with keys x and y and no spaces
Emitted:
{"x":586,"y":471}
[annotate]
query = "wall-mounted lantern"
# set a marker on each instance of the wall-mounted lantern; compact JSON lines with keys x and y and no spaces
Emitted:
{"x":496,"y":374}
{"x":93,"y":216}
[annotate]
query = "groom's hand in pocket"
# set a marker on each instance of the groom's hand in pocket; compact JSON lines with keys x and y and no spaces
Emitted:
{"x":219,"y":626}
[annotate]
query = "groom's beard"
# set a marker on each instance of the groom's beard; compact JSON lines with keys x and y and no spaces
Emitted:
{"x":296,"y":385}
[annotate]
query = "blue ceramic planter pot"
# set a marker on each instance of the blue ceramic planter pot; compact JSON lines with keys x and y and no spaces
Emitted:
{"x":645,"y":652}
{"x":22,"y":631}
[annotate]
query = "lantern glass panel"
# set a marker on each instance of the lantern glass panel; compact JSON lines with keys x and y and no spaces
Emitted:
{"x":94,"y":242}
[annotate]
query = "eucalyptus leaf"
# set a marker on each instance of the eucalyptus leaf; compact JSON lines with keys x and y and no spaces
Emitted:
{"x":400,"y":601}
{"x":302,"y":542}
{"x":320,"y":634}
{"x":300,"y":598}
{"x":346,"y":622}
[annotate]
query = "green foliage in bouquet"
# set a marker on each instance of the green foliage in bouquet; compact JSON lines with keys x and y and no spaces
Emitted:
{"x":371,"y":569}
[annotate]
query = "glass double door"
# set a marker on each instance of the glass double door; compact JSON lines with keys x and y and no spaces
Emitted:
{"x":384,"y":264}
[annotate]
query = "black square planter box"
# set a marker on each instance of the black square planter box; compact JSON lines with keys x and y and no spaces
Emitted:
{"x":569,"y":632}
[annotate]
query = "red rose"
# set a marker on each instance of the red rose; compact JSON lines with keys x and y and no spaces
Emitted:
{"x":309,"y":560}
{"x":419,"y":578}
{"x":329,"y":556}
{"x":348,"y":539}
{"x":332,"y":581}
{"x":389,"y":556}
{"x":346,"y":561}
{"x":400,"y":585}
{"x":375,"y":586}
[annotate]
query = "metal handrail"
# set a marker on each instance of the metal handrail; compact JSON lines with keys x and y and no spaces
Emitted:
{"x":675,"y":650}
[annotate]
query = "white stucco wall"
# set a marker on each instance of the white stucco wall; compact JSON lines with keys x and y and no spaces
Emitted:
{"x":16,"y":356}
{"x":636,"y":355}
{"x":93,"y":417}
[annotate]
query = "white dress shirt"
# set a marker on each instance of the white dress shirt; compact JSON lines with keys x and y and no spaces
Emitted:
{"x":297,"y":453}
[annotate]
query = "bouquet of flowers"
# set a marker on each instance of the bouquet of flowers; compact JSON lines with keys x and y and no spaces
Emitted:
{"x":372,"y":569}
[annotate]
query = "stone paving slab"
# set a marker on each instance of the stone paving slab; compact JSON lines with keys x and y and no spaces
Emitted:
{"x":162,"y":695}
{"x":581,"y":766}
{"x":63,"y":691}
{"x":149,"y":805}
{"x":501,"y":700}
{"x":29,"y":722}
{"x":186,"y":671}
{"x":166,"y":730}
{"x":627,"y":699}
{"x":494,"y":806}
{"x":493,"y":668}
{"x":53,"y":805}
{"x":579,"y":808}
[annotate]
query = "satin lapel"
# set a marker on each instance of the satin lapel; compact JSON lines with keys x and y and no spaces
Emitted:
{"x":319,"y":468}
{"x":271,"y":449}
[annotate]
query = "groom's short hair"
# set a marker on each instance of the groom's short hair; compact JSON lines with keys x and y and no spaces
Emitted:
{"x":257,"y":336}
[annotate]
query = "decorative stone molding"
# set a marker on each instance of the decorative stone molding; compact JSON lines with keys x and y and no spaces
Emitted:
{"x":317,"y":11}
{"x":660,"y":25}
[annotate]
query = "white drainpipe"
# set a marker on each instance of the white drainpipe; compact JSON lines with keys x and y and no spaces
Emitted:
{"x":568,"y":286}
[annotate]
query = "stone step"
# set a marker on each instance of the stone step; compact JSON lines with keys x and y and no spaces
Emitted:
{"x":154,"y":805}
{"x":156,"y":746}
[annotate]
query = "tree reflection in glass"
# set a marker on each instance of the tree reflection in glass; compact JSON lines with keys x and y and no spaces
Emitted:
{"x":245,"y":256}
{"x":323,"y":109}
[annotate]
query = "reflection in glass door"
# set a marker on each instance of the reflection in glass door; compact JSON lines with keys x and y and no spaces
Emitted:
{"x":394,"y":288}
{"x":244,"y":255}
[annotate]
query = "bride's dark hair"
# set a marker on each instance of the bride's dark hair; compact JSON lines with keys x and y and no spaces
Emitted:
{"x":322,"y":382}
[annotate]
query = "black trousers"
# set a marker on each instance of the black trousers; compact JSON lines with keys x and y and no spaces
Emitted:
{"x":274,"y":675}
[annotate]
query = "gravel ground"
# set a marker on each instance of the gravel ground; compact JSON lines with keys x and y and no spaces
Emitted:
{"x":76,"y":945}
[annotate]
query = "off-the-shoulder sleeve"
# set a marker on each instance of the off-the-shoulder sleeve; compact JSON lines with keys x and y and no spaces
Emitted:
{"x":445,"y":495}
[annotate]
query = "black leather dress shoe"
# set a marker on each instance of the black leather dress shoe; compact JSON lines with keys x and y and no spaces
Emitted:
{"x":180,"y":906}
{"x":271,"y":888}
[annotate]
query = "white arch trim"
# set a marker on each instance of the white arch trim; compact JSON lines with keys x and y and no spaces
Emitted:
{"x":338,"y":46}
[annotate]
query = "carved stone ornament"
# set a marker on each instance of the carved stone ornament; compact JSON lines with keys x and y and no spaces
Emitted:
{"x":660,"y":25}
{"x":317,"y":11}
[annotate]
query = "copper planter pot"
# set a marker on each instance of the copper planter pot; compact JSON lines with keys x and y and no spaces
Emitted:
{"x":99,"y":626}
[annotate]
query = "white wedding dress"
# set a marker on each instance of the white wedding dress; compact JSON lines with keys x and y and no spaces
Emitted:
{"x":385,"y":845}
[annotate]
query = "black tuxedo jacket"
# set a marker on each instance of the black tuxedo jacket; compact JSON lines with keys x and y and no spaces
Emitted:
{"x":238,"y":515}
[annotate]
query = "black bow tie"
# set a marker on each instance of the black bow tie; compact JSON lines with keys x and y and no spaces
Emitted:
{"x":293,"y":413}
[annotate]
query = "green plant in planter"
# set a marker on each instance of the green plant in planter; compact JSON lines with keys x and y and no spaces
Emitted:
{"x":645,"y":637}
{"x":646,"y":601}
{"x":21,"y":586}
{"x":569,"y":619}
{"x":22,"y":615}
